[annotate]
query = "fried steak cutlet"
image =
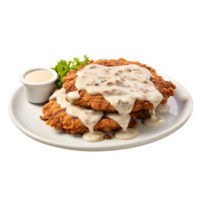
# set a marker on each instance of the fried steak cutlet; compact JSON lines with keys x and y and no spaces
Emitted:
{"x":98,"y":102}
{"x":58,"y":118}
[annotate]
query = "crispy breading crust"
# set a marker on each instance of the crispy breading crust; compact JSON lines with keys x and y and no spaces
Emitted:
{"x":58,"y":118}
{"x":98,"y":102}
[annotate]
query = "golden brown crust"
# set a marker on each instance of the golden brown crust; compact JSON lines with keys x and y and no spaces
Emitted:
{"x":107,"y":136}
{"x":58,"y":118}
{"x":98,"y":102}
{"x":142,"y":114}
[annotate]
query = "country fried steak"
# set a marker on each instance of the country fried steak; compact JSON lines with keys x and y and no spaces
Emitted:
{"x":98,"y":102}
{"x":57,"y":117}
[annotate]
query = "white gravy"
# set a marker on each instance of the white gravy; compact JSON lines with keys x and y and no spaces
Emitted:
{"x":129,"y":134}
{"x":94,"y":136}
{"x":122,"y":120}
{"x":38,"y":76}
{"x":121,"y":86}
{"x":156,"y":120}
{"x":162,"y":108}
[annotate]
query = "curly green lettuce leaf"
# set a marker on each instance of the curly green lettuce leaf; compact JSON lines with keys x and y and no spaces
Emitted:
{"x":63,"y":67}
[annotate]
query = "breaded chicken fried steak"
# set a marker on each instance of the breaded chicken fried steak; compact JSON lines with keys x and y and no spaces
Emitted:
{"x":58,"y":118}
{"x":98,"y":102}
{"x":108,"y":95}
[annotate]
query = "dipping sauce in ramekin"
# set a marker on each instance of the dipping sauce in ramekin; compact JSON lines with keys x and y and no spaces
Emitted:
{"x":38,"y":84}
{"x":38,"y":76}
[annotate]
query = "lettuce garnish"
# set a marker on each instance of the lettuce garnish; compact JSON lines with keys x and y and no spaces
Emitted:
{"x":63,"y":66}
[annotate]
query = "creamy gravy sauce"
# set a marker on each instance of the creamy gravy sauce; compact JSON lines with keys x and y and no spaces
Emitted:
{"x":162,"y":108}
{"x":94,"y":136}
{"x":122,"y":120}
{"x":38,"y":76}
{"x":129,"y":134}
{"x":121,"y":86}
{"x":156,"y":120}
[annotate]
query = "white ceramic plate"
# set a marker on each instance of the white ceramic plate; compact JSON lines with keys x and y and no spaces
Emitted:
{"x":25,"y":116}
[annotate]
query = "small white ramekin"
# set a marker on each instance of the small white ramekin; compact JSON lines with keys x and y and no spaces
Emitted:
{"x":38,"y":92}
